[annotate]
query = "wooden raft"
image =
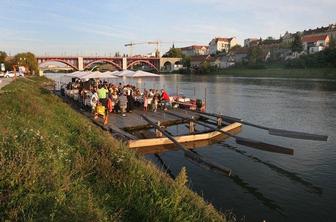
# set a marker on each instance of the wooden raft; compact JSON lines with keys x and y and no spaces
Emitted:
{"x":162,"y":144}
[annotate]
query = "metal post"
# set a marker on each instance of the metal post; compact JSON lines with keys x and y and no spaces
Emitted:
{"x":205,"y":97}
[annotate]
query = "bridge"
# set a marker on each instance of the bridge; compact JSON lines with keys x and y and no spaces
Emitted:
{"x":119,"y":63}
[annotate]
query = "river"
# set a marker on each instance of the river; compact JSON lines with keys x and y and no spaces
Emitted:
{"x":265,"y":186}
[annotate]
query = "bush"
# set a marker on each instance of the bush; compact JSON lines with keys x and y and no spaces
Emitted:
{"x":325,"y":58}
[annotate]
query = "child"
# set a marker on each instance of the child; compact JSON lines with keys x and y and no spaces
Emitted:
{"x":145,"y":102}
{"x":155,"y":103}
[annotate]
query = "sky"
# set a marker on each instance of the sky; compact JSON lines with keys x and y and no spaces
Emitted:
{"x":102,"y":27}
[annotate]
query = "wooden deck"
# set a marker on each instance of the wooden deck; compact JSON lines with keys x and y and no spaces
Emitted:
{"x":133,"y":121}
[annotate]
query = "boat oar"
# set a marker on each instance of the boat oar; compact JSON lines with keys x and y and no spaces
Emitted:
{"x":195,"y":158}
{"x":244,"y":141}
{"x":271,"y":131}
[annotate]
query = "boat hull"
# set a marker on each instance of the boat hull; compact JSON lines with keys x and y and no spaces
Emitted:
{"x":163,"y":144}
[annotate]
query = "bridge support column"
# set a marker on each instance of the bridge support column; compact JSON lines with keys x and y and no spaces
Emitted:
{"x":124,"y":63}
{"x":80,"y":64}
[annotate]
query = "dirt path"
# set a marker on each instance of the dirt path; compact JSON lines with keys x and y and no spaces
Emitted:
{"x":4,"y":81}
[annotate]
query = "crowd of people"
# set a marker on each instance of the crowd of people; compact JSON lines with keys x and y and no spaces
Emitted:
{"x":118,"y":98}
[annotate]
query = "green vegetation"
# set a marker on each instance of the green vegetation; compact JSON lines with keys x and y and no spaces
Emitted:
{"x":278,"y":72}
{"x":297,"y":44}
{"x":56,"y":165}
{"x":26,"y":59}
{"x":174,"y":52}
{"x":322,"y":59}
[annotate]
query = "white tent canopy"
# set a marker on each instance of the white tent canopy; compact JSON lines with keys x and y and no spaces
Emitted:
{"x":98,"y":75}
{"x":141,"y":73}
{"x":112,"y":73}
{"x":124,"y":73}
{"x":77,"y":74}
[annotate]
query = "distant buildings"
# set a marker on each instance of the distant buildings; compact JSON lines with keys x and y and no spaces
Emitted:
{"x":251,"y":42}
{"x":220,"y":44}
{"x":315,"y":43}
{"x":195,"y":50}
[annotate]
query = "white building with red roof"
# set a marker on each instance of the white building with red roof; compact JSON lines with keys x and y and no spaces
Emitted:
{"x":220,"y":44}
{"x":315,"y":43}
{"x":195,"y":50}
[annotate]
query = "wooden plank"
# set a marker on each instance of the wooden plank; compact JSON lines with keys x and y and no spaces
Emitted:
{"x":181,"y":139}
{"x":115,"y":129}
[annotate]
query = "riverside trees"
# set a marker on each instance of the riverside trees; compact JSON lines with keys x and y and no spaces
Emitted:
{"x":26,"y":59}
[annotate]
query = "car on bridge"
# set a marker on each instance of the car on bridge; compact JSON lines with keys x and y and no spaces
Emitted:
{"x":10,"y":74}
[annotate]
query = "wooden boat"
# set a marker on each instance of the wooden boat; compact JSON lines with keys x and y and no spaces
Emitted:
{"x":190,"y":141}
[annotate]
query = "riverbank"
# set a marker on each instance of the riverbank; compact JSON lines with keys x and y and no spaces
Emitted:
{"x":279,"y":72}
{"x":56,"y":165}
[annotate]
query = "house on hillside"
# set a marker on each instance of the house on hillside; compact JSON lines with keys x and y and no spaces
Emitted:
{"x":195,"y":50}
{"x":315,"y":43}
{"x":223,"y":61}
{"x":196,"y":61}
{"x":250,"y":42}
{"x":330,"y":30}
{"x":220,"y":44}
{"x":239,"y":54}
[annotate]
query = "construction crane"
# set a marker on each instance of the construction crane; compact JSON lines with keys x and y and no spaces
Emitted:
{"x":157,"y":43}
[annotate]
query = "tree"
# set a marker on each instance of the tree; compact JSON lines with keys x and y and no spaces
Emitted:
{"x":186,"y":61}
{"x":332,"y":42}
{"x":255,"y":55}
{"x":28,"y":60}
{"x":174,"y":52}
{"x":3,"y":56}
{"x":297,"y":44}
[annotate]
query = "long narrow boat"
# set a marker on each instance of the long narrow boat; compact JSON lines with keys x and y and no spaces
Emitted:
{"x":190,"y":141}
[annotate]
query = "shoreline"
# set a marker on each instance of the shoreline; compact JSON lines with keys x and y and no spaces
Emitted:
{"x":311,"y":73}
{"x":83,"y":171}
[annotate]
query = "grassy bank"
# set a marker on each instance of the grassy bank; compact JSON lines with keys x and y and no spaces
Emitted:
{"x":279,"y":72}
{"x":56,"y":165}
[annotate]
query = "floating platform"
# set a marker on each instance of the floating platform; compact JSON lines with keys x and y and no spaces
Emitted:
{"x":136,"y":131}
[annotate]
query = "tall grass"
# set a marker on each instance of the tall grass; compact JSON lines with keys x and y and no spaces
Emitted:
{"x":57,"y":166}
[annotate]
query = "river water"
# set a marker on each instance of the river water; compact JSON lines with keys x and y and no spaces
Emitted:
{"x":265,"y":186}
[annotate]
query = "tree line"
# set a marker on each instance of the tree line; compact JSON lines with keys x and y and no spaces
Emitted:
{"x":25,"y":59}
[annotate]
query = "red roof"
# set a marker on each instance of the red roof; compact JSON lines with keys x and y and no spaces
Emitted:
{"x":314,"y":38}
{"x":194,"y":47}
{"x":199,"y":58}
{"x":222,"y":39}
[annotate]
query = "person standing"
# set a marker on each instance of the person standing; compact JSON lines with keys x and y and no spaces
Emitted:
{"x":123,"y":103}
{"x":102,"y":94}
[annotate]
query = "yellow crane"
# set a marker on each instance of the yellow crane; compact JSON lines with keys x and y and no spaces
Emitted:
{"x":157,"y":43}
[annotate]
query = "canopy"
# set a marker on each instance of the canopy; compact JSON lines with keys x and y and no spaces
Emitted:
{"x":98,"y":75}
{"x":77,"y":74}
{"x":113,"y":73}
{"x":124,"y":73}
{"x":140,"y":73}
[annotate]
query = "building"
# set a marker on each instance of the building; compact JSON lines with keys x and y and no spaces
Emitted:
{"x":195,"y":50}
{"x":315,"y":43}
{"x":250,"y":42}
{"x":196,"y":61}
{"x":220,"y":44}
{"x":330,"y":30}
{"x":239,"y":54}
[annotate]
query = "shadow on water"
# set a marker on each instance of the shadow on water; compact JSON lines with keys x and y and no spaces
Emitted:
{"x":290,"y":175}
{"x":254,"y":191}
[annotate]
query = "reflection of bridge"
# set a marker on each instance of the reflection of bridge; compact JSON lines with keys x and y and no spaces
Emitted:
{"x":120,"y":63}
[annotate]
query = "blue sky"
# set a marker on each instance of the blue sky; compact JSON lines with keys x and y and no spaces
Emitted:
{"x":90,"y":27}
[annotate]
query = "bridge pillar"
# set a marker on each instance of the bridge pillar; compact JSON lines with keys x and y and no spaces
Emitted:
{"x":80,"y":64}
{"x":124,"y":63}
